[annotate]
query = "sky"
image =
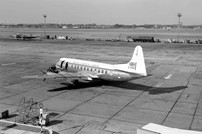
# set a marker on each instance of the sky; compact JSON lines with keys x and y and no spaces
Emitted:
{"x":101,"y":11}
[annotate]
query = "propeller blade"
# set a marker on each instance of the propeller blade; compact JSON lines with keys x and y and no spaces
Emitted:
{"x":43,"y":72}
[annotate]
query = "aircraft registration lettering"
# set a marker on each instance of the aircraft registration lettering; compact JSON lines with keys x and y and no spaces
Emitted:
{"x":86,"y":64}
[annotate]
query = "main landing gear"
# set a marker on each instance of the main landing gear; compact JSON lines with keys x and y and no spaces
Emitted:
{"x":73,"y":84}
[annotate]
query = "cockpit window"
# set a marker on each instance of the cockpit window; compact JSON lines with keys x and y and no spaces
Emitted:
{"x":61,"y":64}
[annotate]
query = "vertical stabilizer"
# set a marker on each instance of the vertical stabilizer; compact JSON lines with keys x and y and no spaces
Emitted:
{"x":137,"y":63}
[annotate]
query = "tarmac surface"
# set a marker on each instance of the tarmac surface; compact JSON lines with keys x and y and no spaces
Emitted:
{"x":170,"y":96}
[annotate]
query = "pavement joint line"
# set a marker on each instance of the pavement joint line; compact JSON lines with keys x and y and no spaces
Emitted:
{"x":86,"y":115}
{"x":151,"y":109}
{"x":142,"y":108}
{"x":49,"y":97}
{"x":163,"y":78}
{"x":196,"y":106}
{"x":109,"y":104}
{"x":9,"y":96}
{"x":151,"y":68}
{"x":18,"y":92}
{"x":8,"y":104}
{"x":69,"y":128}
{"x":180,"y":57}
{"x":109,"y":93}
{"x":80,"y":129}
{"x":172,"y":107}
{"x":177,"y":99}
{"x":130,"y":121}
{"x":125,"y":106}
{"x":80,"y":104}
{"x":17,"y":83}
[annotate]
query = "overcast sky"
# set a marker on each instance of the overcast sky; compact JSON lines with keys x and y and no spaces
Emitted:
{"x":101,"y":11}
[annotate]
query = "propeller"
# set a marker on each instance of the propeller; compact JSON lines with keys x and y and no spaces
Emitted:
{"x":43,"y":72}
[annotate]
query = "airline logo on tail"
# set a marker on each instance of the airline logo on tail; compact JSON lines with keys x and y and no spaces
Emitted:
{"x":136,"y":65}
{"x":132,"y":65}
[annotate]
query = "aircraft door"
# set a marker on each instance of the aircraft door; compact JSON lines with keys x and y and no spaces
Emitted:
{"x":66,"y":66}
{"x":61,"y":65}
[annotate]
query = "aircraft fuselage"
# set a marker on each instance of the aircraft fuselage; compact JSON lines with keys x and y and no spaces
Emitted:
{"x":105,"y":71}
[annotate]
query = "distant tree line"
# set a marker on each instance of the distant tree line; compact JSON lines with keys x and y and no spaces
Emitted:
{"x":95,"y":26}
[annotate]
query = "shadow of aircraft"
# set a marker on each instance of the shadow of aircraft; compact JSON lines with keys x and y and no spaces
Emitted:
{"x":67,"y":86}
{"x":124,"y":85}
{"x":151,"y":90}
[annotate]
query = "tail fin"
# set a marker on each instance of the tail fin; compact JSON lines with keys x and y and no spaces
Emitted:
{"x":137,"y":63}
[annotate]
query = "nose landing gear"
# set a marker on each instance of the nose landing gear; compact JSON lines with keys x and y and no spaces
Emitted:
{"x":52,"y":69}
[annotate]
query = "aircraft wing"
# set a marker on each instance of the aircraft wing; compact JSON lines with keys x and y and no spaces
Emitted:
{"x":30,"y":37}
{"x":64,"y":75}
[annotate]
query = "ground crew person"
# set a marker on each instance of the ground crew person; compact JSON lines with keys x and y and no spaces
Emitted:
{"x":41,"y":119}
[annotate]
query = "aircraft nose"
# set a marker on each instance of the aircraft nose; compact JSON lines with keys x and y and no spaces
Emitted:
{"x":57,"y":65}
{"x":53,"y":68}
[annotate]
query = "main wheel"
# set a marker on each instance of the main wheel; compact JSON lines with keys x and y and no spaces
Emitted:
{"x":75,"y":83}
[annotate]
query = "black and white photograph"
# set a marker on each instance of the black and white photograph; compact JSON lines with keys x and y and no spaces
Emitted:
{"x":100,"y":67}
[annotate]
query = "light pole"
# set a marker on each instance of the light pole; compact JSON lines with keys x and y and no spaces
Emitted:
{"x":179,"y":25}
{"x":44,"y":16}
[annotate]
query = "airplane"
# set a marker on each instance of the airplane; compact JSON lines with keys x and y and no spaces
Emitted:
{"x":75,"y":70}
{"x":19,"y":36}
